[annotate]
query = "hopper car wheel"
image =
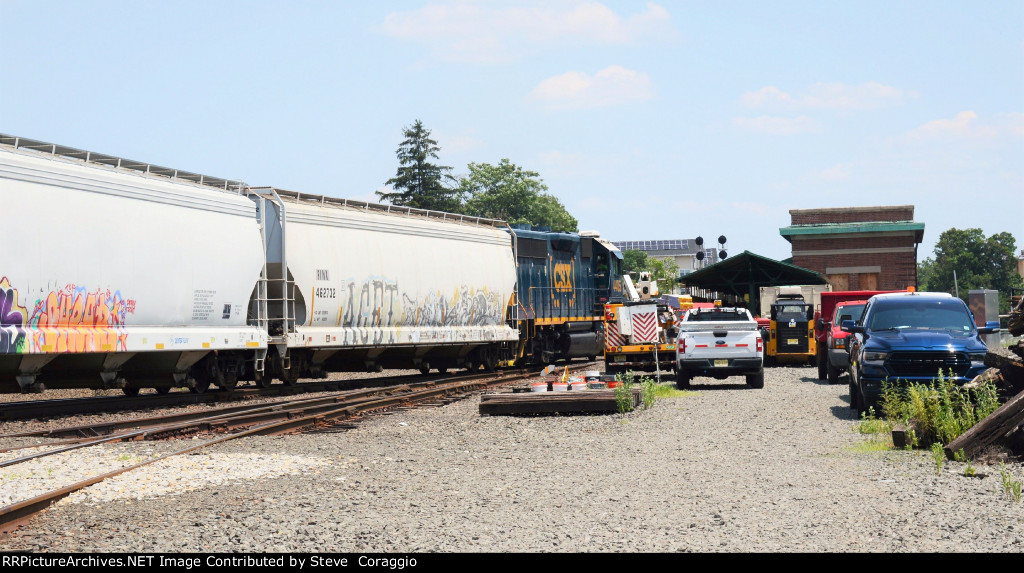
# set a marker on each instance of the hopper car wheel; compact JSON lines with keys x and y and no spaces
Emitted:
{"x":201,"y":386}
{"x":489,"y":363}
{"x":227,"y":380}
{"x":130,"y":391}
{"x":442,"y":369}
{"x":289,"y":377}
{"x":425,"y":368}
{"x":163,"y":390}
{"x":262,"y":379}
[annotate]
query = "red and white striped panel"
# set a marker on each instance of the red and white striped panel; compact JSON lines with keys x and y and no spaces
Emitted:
{"x":645,"y":327}
{"x":612,"y":337}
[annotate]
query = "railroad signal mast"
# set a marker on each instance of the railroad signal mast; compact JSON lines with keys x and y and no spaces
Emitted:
{"x":706,"y":257}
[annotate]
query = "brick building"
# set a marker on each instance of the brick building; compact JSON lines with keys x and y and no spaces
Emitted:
{"x":857,"y":248}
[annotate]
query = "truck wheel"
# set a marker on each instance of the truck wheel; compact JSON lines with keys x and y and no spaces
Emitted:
{"x":833,"y":373}
{"x":822,"y":363}
{"x":682,"y":379}
{"x":854,"y":397}
{"x":756,"y":380}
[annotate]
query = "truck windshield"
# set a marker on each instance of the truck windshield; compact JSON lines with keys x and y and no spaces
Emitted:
{"x":922,"y":314}
{"x":717,"y":315}
{"x":792,"y":311}
{"x":849,"y":312}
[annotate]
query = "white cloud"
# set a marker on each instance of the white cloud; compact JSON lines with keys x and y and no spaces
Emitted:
{"x":1015,"y":123}
{"x":870,"y":95}
{"x":491,"y":33}
{"x":966,"y":125}
{"x":613,"y":85}
{"x":773,"y":125}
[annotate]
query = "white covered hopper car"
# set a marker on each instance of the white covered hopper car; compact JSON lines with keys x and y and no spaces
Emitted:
{"x":121,"y":274}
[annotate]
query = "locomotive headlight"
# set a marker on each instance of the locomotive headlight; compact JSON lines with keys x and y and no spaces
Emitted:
{"x":875,"y":356}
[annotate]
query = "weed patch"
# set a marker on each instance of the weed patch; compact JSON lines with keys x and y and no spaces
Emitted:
{"x":939,"y":411}
{"x":1011,"y":486}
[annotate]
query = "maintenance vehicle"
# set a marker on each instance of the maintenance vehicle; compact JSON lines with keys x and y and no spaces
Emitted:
{"x":719,"y":342}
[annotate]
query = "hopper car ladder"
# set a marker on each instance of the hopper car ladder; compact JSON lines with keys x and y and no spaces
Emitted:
{"x":275,"y":294}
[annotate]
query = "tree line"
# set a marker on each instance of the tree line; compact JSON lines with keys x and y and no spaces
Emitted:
{"x":979,"y":262}
{"x":504,"y":191}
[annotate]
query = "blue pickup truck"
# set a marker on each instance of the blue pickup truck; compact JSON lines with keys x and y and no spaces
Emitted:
{"x":909,"y":337}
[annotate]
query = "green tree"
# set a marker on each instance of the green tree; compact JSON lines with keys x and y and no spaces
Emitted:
{"x":665,"y":271}
{"x":418,"y":182}
{"x":980,"y":263}
{"x":925,"y":270}
{"x":506,"y":191}
{"x":633,"y":262}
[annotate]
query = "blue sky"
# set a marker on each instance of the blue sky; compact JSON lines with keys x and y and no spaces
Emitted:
{"x":651,"y":120}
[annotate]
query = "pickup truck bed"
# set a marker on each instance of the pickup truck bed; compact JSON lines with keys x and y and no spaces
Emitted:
{"x":719,"y":343}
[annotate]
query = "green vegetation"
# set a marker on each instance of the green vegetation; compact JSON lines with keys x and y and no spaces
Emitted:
{"x":939,"y":456}
{"x":647,"y":386}
{"x":650,"y":391}
{"x":624,"y":396}
{"x":870,"y":424}
{"x":504,"y":191}
{"x":419,"y":183}
{"x":665,"y":271}
{"x":878,"y":443}
{"x":980,"y":263}
{"x":877,"y":430}
{"x":1011,"y":486}
{"x":669,"y":390}
{"x":961,"y":456}
{"x":939,"y":411}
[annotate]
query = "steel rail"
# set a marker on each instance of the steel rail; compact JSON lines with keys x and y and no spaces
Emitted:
{"x":12,"y":515}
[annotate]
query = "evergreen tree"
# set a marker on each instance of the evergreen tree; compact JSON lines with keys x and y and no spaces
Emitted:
{"x":419,"y":183}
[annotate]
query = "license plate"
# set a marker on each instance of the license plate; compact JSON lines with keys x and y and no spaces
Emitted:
{"x":620,"y":358}
{"x":721,"y":363}
{"x":792,"y":341}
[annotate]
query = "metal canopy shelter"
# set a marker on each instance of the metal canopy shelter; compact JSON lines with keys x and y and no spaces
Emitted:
{"x":746,"y":273}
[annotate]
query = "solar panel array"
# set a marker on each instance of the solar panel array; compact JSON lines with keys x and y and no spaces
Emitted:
{"x":668,"y":245}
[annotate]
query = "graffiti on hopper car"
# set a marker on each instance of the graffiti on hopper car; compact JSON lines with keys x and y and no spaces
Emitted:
{"x":374,"y":307}
{"x":12,"y":320}
{"x":73,"y":319}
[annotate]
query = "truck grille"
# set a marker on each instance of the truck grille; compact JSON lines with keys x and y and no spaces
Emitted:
{"x":928,"y":363}
{"x":787,"y":333}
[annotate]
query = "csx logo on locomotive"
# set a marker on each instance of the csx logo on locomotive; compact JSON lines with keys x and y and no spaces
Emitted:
{"x":562,"y":277}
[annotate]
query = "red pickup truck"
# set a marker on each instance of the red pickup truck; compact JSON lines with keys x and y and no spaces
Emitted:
{"x":836,"y":307}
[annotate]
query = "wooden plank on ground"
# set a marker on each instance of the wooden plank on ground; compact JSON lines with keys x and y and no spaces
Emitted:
{"x":571,"y":402}
{"x":1006,"y":418}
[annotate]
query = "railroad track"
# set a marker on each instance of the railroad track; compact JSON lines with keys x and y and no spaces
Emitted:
{"x":321,"y":414}
{"x":31,"y":409}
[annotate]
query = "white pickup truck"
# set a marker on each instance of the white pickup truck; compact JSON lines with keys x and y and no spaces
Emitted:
{"x":719,"y":342}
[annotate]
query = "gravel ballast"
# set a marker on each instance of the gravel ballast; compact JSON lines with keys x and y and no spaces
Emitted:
{"x":725,"y":468}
